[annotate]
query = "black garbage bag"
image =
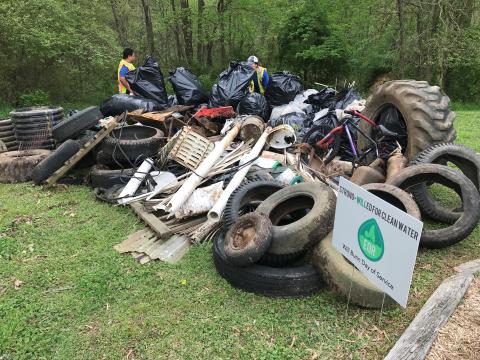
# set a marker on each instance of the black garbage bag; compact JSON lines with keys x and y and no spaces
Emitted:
{"x":120,"y":103}
{"x":299,"y":121}
{"x":393,"y":120}
{"x":214,"y":100}
{"x":188,"y":89}
{"x":172,"y":100}
{"x":148,"y":82}
{"x":282,"y":88}
{"x":328,"y":98}
{"x":324,"y":99}
{"x":346,"y":97}
{"x":254,"y":104}
{"x":233,"y":83}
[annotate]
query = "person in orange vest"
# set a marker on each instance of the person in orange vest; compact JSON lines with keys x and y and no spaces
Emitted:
{"x":123,"y":68}
{"x":260,"y":79}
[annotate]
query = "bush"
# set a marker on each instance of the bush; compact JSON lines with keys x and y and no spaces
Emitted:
{"x":207,"y":81}
{"x":34,"y":98}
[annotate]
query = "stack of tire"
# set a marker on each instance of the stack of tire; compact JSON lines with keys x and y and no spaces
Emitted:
{"x":7,"y":134}
{"x":33,"y":126}
{"x":65,"y":133}
{"x":267,"y":251}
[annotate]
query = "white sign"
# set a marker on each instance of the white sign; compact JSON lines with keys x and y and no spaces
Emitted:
{"x":378,"y":238}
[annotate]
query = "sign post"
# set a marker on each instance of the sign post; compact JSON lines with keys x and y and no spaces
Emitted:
{"x":380,"y":240}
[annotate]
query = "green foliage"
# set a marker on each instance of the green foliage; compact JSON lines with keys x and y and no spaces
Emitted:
{"x":35,"y":98}
{"x":309,"y":43}
{"x":71,"y":48}
{"x":207,"y":81}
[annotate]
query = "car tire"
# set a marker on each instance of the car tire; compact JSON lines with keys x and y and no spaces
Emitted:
{"x":55,"y":161}
{"x":254,"y":191}
{"x":77,"y":123}
{"x":466,"y":223}
{"x":103,"y":177}
{"x":17,"y":166}
{"x":461,"y":156}
{"x":132,"y":143}
{"x":248,"y":239}
{"x":394,"y":196}
{"x":344,"y":278}
{"x":294,"y":281}
{"x":308,"y":229}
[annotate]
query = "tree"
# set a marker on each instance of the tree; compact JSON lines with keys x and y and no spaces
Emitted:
{"x":148,"y":27}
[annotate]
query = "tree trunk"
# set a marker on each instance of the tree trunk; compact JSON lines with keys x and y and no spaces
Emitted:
{"x":221,"y":12}
{"x":401,"y":40}
{"x":176,"y":31}
{"x":209,"y":54}
{"x":200,"y":34}
{"x":120,"y":25}
{"x":433,"y":56}
{"x":148,"y":27}
{"x":187,"y":29}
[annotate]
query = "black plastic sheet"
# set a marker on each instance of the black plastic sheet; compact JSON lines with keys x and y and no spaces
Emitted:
{"x":254,"y":104}
{"x":148,"y":82}
{"x":188,"y":89}
{"x":120,"y":103}
{"x":282,"y":88}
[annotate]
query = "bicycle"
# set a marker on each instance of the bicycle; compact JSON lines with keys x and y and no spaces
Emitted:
{"x":328,"y":146}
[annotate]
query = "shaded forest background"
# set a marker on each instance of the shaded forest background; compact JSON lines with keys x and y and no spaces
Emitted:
{"x":68,"y":50}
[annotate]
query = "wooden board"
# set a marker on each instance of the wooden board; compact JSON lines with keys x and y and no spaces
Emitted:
{"x":70,"y":163}
{"x":416,"y":341}
{"x":158,"y":227}
{"x":159,"y":116}
{"x":471,"y":267}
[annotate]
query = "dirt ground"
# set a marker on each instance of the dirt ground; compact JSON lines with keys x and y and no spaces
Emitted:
{"x":460,"y":337}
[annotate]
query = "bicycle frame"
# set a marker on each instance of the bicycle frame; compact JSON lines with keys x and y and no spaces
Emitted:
{"x":344,"y":127}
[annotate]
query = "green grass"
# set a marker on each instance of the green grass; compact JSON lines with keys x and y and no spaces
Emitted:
{"x":79,"y":299}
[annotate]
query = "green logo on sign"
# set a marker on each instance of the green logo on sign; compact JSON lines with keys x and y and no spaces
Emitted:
{"x":370,"y":240}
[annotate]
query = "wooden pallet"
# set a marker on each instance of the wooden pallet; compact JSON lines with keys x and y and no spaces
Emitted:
{"x":144,"y":246}
{"x":70,"y":163}
{"x":191,"y":148}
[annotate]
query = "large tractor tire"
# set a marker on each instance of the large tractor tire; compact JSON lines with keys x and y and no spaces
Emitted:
{"x":422,"y":107}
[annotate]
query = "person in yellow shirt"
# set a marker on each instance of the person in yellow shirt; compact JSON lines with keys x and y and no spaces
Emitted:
{"x":260,"y":78}
{"x":123,"y":68}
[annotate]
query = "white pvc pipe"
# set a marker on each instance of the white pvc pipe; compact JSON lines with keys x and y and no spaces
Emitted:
{"x":135,"y":182}
{"x":202,"y":171}
{"x":215,"y":213}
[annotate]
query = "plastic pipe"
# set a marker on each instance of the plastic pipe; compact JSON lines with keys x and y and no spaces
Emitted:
{"x":134,"y":183}
{"x":202,"y":171}
{"x":215,"y":213}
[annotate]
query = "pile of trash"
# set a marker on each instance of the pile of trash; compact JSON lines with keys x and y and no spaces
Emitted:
{"x":234,"y":168}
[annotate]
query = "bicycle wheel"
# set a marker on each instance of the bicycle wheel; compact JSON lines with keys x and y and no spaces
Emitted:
{"x":316,"y":134}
